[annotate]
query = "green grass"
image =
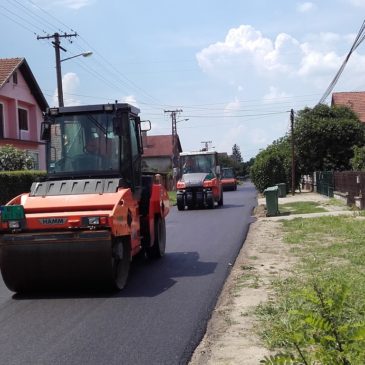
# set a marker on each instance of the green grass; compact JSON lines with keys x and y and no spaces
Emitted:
{"x":172,"y":197}
{"x":336,"y":203}
{"x":300,"y":208}
{"x":323,"y":303}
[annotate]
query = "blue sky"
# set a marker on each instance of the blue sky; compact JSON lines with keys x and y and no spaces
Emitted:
{"x":234,"y":67}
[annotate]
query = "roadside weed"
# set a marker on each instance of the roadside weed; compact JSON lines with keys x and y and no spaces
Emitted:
{"x":317,"y":316}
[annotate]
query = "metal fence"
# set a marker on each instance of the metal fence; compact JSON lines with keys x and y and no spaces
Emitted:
{"x":325,"y":182}
{"x":350,"y":182}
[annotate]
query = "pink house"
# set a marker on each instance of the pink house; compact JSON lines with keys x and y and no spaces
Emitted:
{"x":21,"y":106}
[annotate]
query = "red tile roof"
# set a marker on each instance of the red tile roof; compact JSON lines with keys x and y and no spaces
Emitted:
{"x":354,"y":100}
{"x":158,"y":146}
{"x":7,"y":67}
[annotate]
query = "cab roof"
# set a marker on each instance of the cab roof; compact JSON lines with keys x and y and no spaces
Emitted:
{"x":93,"y":108}
{"x":198,"y":153}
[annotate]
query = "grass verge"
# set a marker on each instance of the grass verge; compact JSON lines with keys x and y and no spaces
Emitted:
{"x":300,"y":208}
{"x":317,"y":316}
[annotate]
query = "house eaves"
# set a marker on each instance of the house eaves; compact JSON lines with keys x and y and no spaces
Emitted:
{"x":7,"y":68}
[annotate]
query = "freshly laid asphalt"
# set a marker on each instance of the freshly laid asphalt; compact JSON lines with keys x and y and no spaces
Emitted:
{"x":159,"y":318}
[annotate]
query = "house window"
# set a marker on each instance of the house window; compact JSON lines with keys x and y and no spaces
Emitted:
{"x":15,"y":77}
{"x":1,"y":121}
{"x":23,"y":119}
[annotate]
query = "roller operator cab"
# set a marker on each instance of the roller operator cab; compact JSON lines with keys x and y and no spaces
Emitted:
{"x":199,"y":181}
{"x":92,"y":213}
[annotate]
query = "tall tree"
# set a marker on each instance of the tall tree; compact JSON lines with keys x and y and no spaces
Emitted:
{"x":236,"y":153}
{"x":325,"y":138}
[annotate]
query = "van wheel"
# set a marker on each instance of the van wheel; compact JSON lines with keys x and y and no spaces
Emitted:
{"x":159,"y":244}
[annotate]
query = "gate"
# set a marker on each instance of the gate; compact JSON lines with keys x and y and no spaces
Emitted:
{"x":325,"y":183}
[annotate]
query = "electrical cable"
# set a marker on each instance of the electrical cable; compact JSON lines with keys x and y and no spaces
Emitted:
{"x":358,"y":39}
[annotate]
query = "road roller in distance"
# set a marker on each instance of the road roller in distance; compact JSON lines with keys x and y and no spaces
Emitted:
{"x":93,"y":212}
{"x":229,"y":180}
{"x":199,"y":180}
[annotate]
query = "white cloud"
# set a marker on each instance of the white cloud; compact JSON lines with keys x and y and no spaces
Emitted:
{"x":232,"y":136}
{"x":247,"y":49}
{"x":259,"y":137}
{"x":70,"y":84}
{"x":130,"y":99}
{"x":273,"y":70}
{"x":232,"y":107}
{"x":274,"y":94}
{"x":247,"y":57}
{"x":305,"y":7}
{"x":357,"y":3}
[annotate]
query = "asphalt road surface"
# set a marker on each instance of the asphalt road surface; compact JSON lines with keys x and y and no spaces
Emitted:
{"x":158,"y":319}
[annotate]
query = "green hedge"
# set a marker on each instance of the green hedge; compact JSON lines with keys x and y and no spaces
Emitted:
{"x":13,"y":183}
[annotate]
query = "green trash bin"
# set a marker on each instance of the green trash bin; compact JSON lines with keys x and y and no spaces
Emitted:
{"x":272,"y":202}
{"x":282,"y":190}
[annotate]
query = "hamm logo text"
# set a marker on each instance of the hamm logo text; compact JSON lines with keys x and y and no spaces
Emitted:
{"x":52,"y":221}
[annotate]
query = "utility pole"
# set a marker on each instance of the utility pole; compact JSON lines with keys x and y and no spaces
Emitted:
{"x":206,"y":143}
{"x":292,"y":152}
{"x":57,"y":46}
{"x":174,"y":132}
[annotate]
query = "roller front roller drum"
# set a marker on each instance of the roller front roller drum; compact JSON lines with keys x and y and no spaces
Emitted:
{"x":68,"y":259}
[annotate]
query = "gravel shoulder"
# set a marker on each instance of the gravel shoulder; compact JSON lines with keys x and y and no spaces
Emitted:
{"x":231,"y":336}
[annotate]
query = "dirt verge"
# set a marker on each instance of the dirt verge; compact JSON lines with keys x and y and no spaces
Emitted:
{"x":231,"y":336}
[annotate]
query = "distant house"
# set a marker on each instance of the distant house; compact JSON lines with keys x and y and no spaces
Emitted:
{"x":353,"y":100}
{"x":21,"y":106}
{"x":159,"y":156}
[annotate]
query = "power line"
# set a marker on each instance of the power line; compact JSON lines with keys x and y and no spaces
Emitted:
{"x":20,"y":24}
{"x":107,"y":67}
{"x":21,"y":18}
{"x":31,"y":13}
{"x":50,"y":15}
{"x":359,"y":38}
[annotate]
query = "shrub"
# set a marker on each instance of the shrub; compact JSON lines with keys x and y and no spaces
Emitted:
{"x":13,"y":159}
{"x":272,"y":165}
{"x":13,"y":183}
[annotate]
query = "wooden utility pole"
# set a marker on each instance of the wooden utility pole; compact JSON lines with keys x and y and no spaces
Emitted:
{"x":292,"y":152}
{"x":206,"y":145}
{"x":57,"y":46}
{"x":174,"y":133}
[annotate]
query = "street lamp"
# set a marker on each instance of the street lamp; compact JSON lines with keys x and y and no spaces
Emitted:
{"x":58,"y":69}
{"x":84,"y":54}
{"x":182,"y":120}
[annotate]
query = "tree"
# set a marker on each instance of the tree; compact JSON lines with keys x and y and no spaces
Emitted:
{"x":358,"y":161}
{"x":273,"y":165}
{"x":325,"y":137}
{"x":13,"y":159}
{"x":236,"y":154}
{"x":247,"y":166}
